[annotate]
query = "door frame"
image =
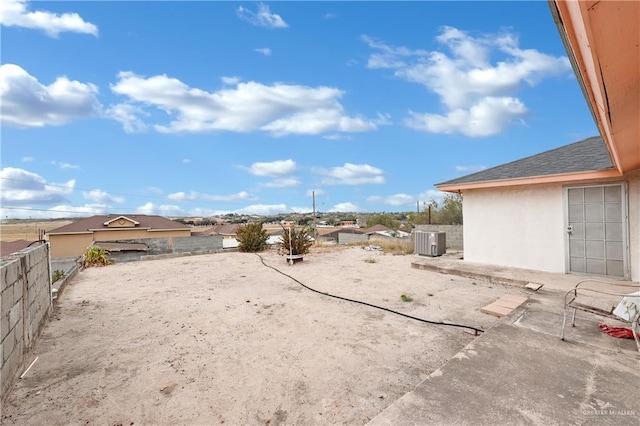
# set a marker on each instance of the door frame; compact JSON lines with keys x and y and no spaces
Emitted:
{"x":625,"y":227}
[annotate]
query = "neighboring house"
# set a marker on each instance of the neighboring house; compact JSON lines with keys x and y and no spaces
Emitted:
{"x":574,"y":209}
{"x":384,"y":232}
{"x":225,"y":231}
{"x":73,"y":239}
{"x":9,"y":247}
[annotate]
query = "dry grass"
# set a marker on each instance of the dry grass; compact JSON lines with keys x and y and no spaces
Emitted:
{"x":395,"y":247}
{"x":28,"y":230}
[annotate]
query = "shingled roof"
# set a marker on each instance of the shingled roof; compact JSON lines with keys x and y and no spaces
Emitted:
{"x":98,"y":222}
{"x":584,"y":156}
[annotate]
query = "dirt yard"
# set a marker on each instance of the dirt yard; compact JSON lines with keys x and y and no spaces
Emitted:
{"x":223,"y":339}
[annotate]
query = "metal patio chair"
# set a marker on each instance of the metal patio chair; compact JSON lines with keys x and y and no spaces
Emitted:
{"x":596,"y":297}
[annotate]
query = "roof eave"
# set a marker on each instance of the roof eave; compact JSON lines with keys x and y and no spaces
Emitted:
{"x":602,"y":80}
{"x":533,"y":180}
{"x":69,"y":232}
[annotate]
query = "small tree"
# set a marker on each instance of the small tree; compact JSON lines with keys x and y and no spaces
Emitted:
{"x":252,"y":237}
{"x":451,"y":211}
{"x":294,"y":242}
{"x":383,"y":219}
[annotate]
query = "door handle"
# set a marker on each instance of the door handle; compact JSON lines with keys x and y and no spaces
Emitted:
{"x":569,"y":229}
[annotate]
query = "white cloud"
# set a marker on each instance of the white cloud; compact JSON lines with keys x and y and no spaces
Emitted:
{"x":280,"y":109}
{"x":55,"y":212}
{"x":488,"y":117}
{"x":21,"y":187}
{"x":193,"y":196}
{"x":337,"y":136}
{"x":28,"y":103}
{"x":394,"y":200}
{"x":330,"y":15}
{"x":471,"y":169}
{"x":186,"y":160}
{"x":129,"y":116}
{"x":389,"y":56}
{"x":162,"y":210}
{"x":102,"y":197}
{"x":231,"y":80}
{"x":478,"y":96}
{"x":264,"y":50}
{"x":262,"y":17}
{"x":274,"y":168}
{"x":264,"y":209}
{"x":69,"y":166}
{"x":283,"y":183}
{"x":344,"y":208}
{"x":14,"y":13}
{"x":27,"y":159}
{"x":431,"y":194}
{"x":351,"y":174}
{"x":319,"y":121}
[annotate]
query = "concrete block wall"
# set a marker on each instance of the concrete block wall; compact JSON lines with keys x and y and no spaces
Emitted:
{"x":168,"y":246}
{"x":454,"y":234}
{"x":25,"y":299}
{"x":349,"y":238}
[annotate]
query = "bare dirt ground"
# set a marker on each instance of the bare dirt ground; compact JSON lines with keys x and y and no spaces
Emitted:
{"x":223,"y":339}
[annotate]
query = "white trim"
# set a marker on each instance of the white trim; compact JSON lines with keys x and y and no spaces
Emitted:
{"x":121,"y":217}
{"x":118,"y":229}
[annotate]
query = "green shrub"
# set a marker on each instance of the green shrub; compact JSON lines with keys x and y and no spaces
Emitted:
{"x":95,"y":256}
{"x":406,"y":298}
{"x":57,"y":274}
{"x":252,"y":238}
{"x":294,"y":241}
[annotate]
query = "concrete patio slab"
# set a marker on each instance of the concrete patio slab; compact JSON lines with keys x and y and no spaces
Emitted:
{"x":515,"y":375}
{"x":520,"y":372}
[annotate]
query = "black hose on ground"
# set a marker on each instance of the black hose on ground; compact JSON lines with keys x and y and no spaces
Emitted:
{"x":448,"y":324}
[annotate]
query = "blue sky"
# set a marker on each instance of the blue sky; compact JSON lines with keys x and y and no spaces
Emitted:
{"x":202,"y":108}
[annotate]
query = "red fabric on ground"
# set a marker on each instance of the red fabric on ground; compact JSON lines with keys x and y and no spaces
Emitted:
{"x":621,"y":332}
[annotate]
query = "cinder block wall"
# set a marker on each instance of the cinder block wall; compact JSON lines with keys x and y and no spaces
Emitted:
{"x":168,"y":246}
{"x":454,"y":234}
{"x":349,"y":238}
{"x":26,"y":303}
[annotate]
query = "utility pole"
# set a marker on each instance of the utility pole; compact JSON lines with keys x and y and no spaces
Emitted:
{"x":315,"y":229}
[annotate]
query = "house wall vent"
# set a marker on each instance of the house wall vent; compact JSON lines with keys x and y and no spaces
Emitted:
{"x":430,"y":243}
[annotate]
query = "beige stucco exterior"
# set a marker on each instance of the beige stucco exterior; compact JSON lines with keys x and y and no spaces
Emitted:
{"x":518,"y":226}
{"x":524,"y":226}
{"x":65,"y":245}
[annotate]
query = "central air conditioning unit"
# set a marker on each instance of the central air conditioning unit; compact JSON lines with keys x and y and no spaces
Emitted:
{"x":430,"y":243}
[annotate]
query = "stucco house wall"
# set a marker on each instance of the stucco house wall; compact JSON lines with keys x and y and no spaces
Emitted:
{"x":69,"y":245}
{"x":524,"y":226}
{"x":520,"y":227}
{"x":75,"y":244}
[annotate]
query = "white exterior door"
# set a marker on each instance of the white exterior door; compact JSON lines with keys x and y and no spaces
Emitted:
{"x":596,"y":233}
